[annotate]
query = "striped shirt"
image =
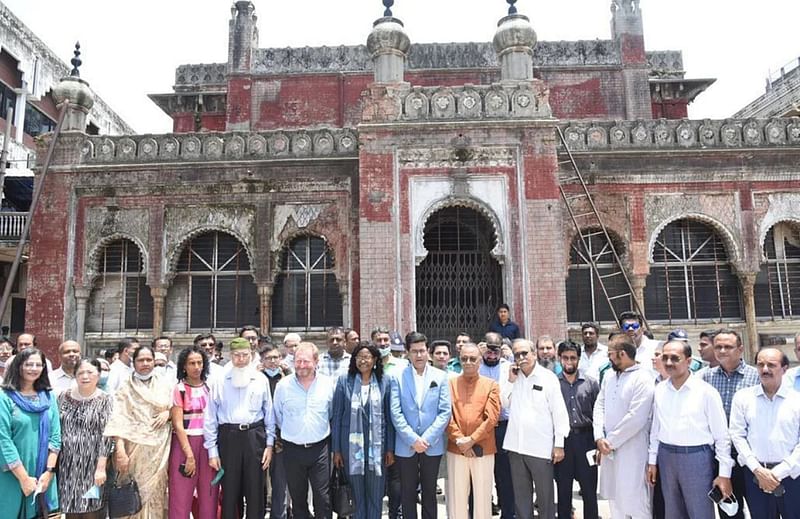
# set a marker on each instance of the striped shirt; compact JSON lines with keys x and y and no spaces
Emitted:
{"x":192,"y":400}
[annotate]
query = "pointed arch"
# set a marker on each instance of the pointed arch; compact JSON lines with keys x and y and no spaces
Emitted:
{"x":777,"y":286}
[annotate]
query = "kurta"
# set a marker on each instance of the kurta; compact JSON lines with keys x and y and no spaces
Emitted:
{"x":83,"y":422}
{"x":19,"y":439}
{"x":622,"y":416}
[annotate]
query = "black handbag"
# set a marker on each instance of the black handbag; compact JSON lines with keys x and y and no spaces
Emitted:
{"x":341,"y":494}
{"x":124,"y":500}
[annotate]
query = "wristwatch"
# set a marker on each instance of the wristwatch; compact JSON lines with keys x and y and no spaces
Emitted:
{"x":50,"y":469}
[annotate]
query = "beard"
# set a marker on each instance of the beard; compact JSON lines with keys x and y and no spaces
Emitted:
{"x":615,"y":366}
{"x":547,"y":363}
{"x":569,"y":370}
{"x":240,"y":377}
{"x":491,"y":362}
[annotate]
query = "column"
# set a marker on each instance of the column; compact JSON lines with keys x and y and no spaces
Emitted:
{"x":159,"y":294}
{"x":265,"y":306}
{"x":748,"y":281}
{"x":82,"y":304}
{"x":638,"y":283}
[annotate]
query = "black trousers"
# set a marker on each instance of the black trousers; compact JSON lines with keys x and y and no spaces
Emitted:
{"x":502,"y":473}
{"x":306,"y":465}
{"x":575,"y":467}
{"x":738,"y":485}
{"x":240,"y":454}
{"x":393,"y":490}
{"x":418,"y":470}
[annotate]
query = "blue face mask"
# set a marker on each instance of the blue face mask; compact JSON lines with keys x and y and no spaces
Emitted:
{"x":103,"y":378}
{"x":272,"y":371}
{"x":385,"y":352}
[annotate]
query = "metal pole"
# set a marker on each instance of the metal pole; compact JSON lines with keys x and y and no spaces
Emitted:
{"x":4,"y":153}
{"x":37,"y":190}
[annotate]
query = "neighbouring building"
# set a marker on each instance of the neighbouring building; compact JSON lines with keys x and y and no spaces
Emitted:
{"x":418,"y":186}
{"x":28,"y":72}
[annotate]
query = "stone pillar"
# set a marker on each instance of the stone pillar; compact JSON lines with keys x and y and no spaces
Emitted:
{"x":82,"y":294}
{"x":76,"y":93}
{"x":388,"y":43}
{"x":638,"y":283}
{"x":748,"y":281}
{"x":265,"y":306}
{"x":514,"y":42}
{"x":159,"y":294}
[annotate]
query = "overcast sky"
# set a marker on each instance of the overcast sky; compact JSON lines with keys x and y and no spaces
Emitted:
{"x":131,"y":49}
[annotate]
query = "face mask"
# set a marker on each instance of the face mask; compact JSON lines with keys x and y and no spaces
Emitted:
{"x":2,"y":364}
{"x":160,"y":370}
{"x":103,"y":378}
{"x":385,"y":352}
{"x":272,"y":371}
{"x":730,"y":506}
{"x":143,"y":378}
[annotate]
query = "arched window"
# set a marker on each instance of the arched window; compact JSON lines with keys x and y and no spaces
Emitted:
{"x":120,"y":300}
{"x":691,"y":277}
{"x":306,"y":294}
{"x":585,"y":299}
{"x":777,"y":290}
{"x":213,"y":287}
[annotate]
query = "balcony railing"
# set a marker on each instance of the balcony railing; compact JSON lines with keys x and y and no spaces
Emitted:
{"x":11,"y":225}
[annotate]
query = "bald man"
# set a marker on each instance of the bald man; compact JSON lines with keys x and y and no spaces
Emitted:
{"x":63,"y":378}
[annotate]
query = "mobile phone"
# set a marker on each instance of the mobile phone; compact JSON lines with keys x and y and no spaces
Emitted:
{"x":715,"y":495}
{"x":182,"y":470}
{"x":478,"y":450}
{"x":218,"y":477}
{"x":515,"y":369}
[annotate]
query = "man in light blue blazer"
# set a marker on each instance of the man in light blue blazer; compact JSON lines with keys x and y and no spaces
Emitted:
{"x":420,"y":409}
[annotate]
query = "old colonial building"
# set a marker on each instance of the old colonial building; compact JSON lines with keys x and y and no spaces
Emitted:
{"x":418,"y":186}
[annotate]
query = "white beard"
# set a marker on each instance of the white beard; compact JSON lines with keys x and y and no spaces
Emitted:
{"x":240,"y":377}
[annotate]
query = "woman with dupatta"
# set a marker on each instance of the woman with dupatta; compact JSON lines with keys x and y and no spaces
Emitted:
{"x":362,"y":434}
{"x":30,"y":439}
{"x":141,"y":430}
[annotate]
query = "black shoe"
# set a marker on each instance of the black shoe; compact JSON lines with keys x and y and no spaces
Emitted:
{"x":495,"y":509}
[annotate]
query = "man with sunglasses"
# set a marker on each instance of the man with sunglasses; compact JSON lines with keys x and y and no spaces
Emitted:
{"x":688,"y":433}
{"x":630,"y":322}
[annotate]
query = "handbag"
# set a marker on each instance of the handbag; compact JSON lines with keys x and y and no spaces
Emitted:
{"x":124,"y":500}
{"x":341,"y":494}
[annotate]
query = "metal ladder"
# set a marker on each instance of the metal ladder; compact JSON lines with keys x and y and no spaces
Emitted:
{"x":588,"y":224}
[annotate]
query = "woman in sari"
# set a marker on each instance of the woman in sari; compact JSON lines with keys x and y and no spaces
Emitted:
{"x":30,"y":438}
{"x":141,"y":430}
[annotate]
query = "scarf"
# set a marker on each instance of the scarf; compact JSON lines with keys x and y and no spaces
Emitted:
{"x":356,"y":439}
{"x":136,"y":405}
{"x":41,"y":408}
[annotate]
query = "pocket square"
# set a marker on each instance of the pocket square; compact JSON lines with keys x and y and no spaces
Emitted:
{"x":433,"y":384}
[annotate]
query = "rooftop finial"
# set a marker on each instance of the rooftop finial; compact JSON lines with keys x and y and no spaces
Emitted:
{"x":511,"y":8}
{"x":76,"y":61}
{"x":388,"y":4}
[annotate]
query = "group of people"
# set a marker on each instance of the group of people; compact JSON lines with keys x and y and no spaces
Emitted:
{"x":501,"y":415}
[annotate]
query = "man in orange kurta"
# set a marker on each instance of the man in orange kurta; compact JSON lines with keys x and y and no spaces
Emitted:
{"x":470,"y":438}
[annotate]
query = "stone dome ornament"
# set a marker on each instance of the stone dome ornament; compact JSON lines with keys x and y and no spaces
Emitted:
{"x":514,"y":41}
{"x":76,"y":92}
{"x":388,"y":44}
{"x":511,"y":8}
{"x":388,"y":5}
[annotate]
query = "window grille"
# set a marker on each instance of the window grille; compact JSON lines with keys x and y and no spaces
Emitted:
{"x":777,"y":289}
{"x":213,"y":287}
{"x":306,"y":294}
{"x":691,"y":278}
{"x":120,"y":300}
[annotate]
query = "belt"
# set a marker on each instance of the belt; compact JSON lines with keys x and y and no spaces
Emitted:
{"x":241,"y":426}
{"x":770,"y":466}
{"x":304,"y":445}
{"x":582,"y":428}
{"x":681,"y":449}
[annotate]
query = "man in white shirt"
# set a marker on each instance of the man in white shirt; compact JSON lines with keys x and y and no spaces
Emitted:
{"x":791,"y":374}
{"x":538,"y":423}
{"x":593,"y":354}
{"x":121,"y":368}
{"x":689,"y":431}
{"x":63,"y":378}
{"x":621,"y":430}
{"x":765,"y":429}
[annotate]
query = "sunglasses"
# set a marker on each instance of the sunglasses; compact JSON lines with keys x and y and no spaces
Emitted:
{"x":631,"y":326}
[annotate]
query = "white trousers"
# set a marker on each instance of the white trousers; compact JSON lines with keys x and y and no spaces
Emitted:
{"x":461,"y":471}
{"x":617,"y":513}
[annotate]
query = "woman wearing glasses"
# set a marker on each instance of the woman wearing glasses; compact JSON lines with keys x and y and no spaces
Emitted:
{"x":363,"y":436}
{"x":30,"y":438}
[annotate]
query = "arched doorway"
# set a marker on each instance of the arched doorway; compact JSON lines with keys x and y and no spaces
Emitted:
{"x":459,"y":283}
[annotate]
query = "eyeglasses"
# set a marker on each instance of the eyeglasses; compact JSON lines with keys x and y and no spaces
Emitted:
{"x":417,"y":353}
{"x":470,"y":360}
{"x":521,"y":354}
{"x":207,"y":344}
{"x":363,"y":357}
{"x":273,"y":358}
{"x":671,"y":358}
{"x":631,"y":326}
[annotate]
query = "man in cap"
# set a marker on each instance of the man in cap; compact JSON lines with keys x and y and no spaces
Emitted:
{"x":239,"y":430}
{"x":290,"y":342}
{"x":163,"y":345}
{"x":495,"y":367}
{"x":679,"y":334}
{"x":396,"y":345}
